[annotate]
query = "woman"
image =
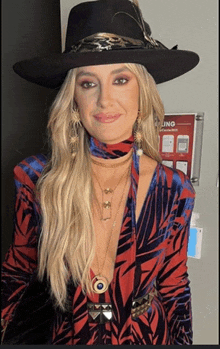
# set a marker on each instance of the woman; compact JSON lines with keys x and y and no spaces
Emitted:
{"x":101,"y":228}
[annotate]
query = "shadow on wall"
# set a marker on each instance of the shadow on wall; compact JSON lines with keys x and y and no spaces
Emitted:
{"x":29,"y":28}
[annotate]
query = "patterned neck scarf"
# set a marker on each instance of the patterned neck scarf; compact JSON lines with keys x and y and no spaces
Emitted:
{"x":110,"y":151}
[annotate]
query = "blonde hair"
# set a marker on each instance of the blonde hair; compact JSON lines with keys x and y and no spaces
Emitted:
{"x":67,"y":240}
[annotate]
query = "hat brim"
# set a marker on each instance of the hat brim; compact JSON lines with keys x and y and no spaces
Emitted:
{"x":50,"y":71}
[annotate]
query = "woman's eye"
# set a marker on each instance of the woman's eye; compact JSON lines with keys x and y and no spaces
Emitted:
{"x":121,"y":81}
{"x":87,"y":84}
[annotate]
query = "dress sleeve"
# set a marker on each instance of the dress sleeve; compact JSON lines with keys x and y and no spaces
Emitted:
{"x":172,"y":282}
{"x":21,"y":258}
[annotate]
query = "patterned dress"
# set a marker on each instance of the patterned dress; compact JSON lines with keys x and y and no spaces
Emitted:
{"x":151,"y":252}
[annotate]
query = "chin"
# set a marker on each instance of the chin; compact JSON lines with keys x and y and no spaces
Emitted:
{"x":110,"y":136}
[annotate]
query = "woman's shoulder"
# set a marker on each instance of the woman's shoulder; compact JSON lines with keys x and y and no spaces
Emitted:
{"x":148,"y":166}
{"x":176,"y":180}
{"x":29,"y":170}
{"x":165,"y":176}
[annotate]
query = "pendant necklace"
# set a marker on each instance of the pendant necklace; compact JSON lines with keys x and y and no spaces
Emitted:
{"x":100,"y":283}
{"x":107,"y":203}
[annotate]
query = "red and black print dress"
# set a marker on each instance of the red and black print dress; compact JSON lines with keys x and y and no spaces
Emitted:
{"x":152,"y":252}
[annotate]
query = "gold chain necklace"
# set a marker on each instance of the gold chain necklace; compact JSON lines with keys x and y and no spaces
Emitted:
{"x":107,"y":204}
{"x":100,"y":283}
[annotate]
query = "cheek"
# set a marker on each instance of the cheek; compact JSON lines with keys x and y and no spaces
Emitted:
{"x":84,"y":102}
{"x":131,"y":99}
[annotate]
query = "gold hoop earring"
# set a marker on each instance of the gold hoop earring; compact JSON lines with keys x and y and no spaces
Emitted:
{"x":138,"y":136}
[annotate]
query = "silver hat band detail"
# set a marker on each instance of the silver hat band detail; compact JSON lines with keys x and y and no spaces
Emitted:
{"x":106,"y":41}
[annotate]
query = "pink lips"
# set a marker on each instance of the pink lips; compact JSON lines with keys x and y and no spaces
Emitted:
{"x":106,"y":118}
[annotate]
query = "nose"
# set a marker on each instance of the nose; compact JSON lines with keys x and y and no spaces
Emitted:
{"x":105,"y":97}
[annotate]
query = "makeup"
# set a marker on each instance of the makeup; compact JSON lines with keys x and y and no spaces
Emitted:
{"x":107,"y":118}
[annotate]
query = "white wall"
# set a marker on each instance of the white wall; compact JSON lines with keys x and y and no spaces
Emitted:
{"x":192,"y":24}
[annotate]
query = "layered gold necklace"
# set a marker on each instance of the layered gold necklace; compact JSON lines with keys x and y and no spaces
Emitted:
{"x":100,"y":283}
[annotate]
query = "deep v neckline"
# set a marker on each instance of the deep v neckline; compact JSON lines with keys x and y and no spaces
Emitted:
{"x":131,"y":207}
{"x":134,"y":178}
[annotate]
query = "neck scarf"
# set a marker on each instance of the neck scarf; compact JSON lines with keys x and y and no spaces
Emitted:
{"x":111,"y":151}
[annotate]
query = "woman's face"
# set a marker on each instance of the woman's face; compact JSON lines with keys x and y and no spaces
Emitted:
{"x":107,"y":97}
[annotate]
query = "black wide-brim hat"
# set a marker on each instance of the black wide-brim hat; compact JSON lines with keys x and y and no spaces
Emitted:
{"x":107,"y":32}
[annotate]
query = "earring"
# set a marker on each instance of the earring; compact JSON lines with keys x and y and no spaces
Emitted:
{"x":75,"y":117}
{"x":138,"y":136}
{"x":74,"y":138}
{"x":157,"y":122}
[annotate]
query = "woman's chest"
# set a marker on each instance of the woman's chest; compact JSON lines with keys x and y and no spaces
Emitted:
{"x":107,"y":233}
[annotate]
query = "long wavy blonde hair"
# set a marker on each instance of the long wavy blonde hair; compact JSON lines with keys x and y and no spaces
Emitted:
{"x":67,"y":240}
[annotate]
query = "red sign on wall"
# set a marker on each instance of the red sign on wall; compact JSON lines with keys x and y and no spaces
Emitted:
{"x":176,"y":141}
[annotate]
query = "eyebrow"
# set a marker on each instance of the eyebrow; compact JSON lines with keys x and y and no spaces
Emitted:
{"x":116,"y":71}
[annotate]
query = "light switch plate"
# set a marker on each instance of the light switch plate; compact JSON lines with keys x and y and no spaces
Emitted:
{"x":195,"y":243}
